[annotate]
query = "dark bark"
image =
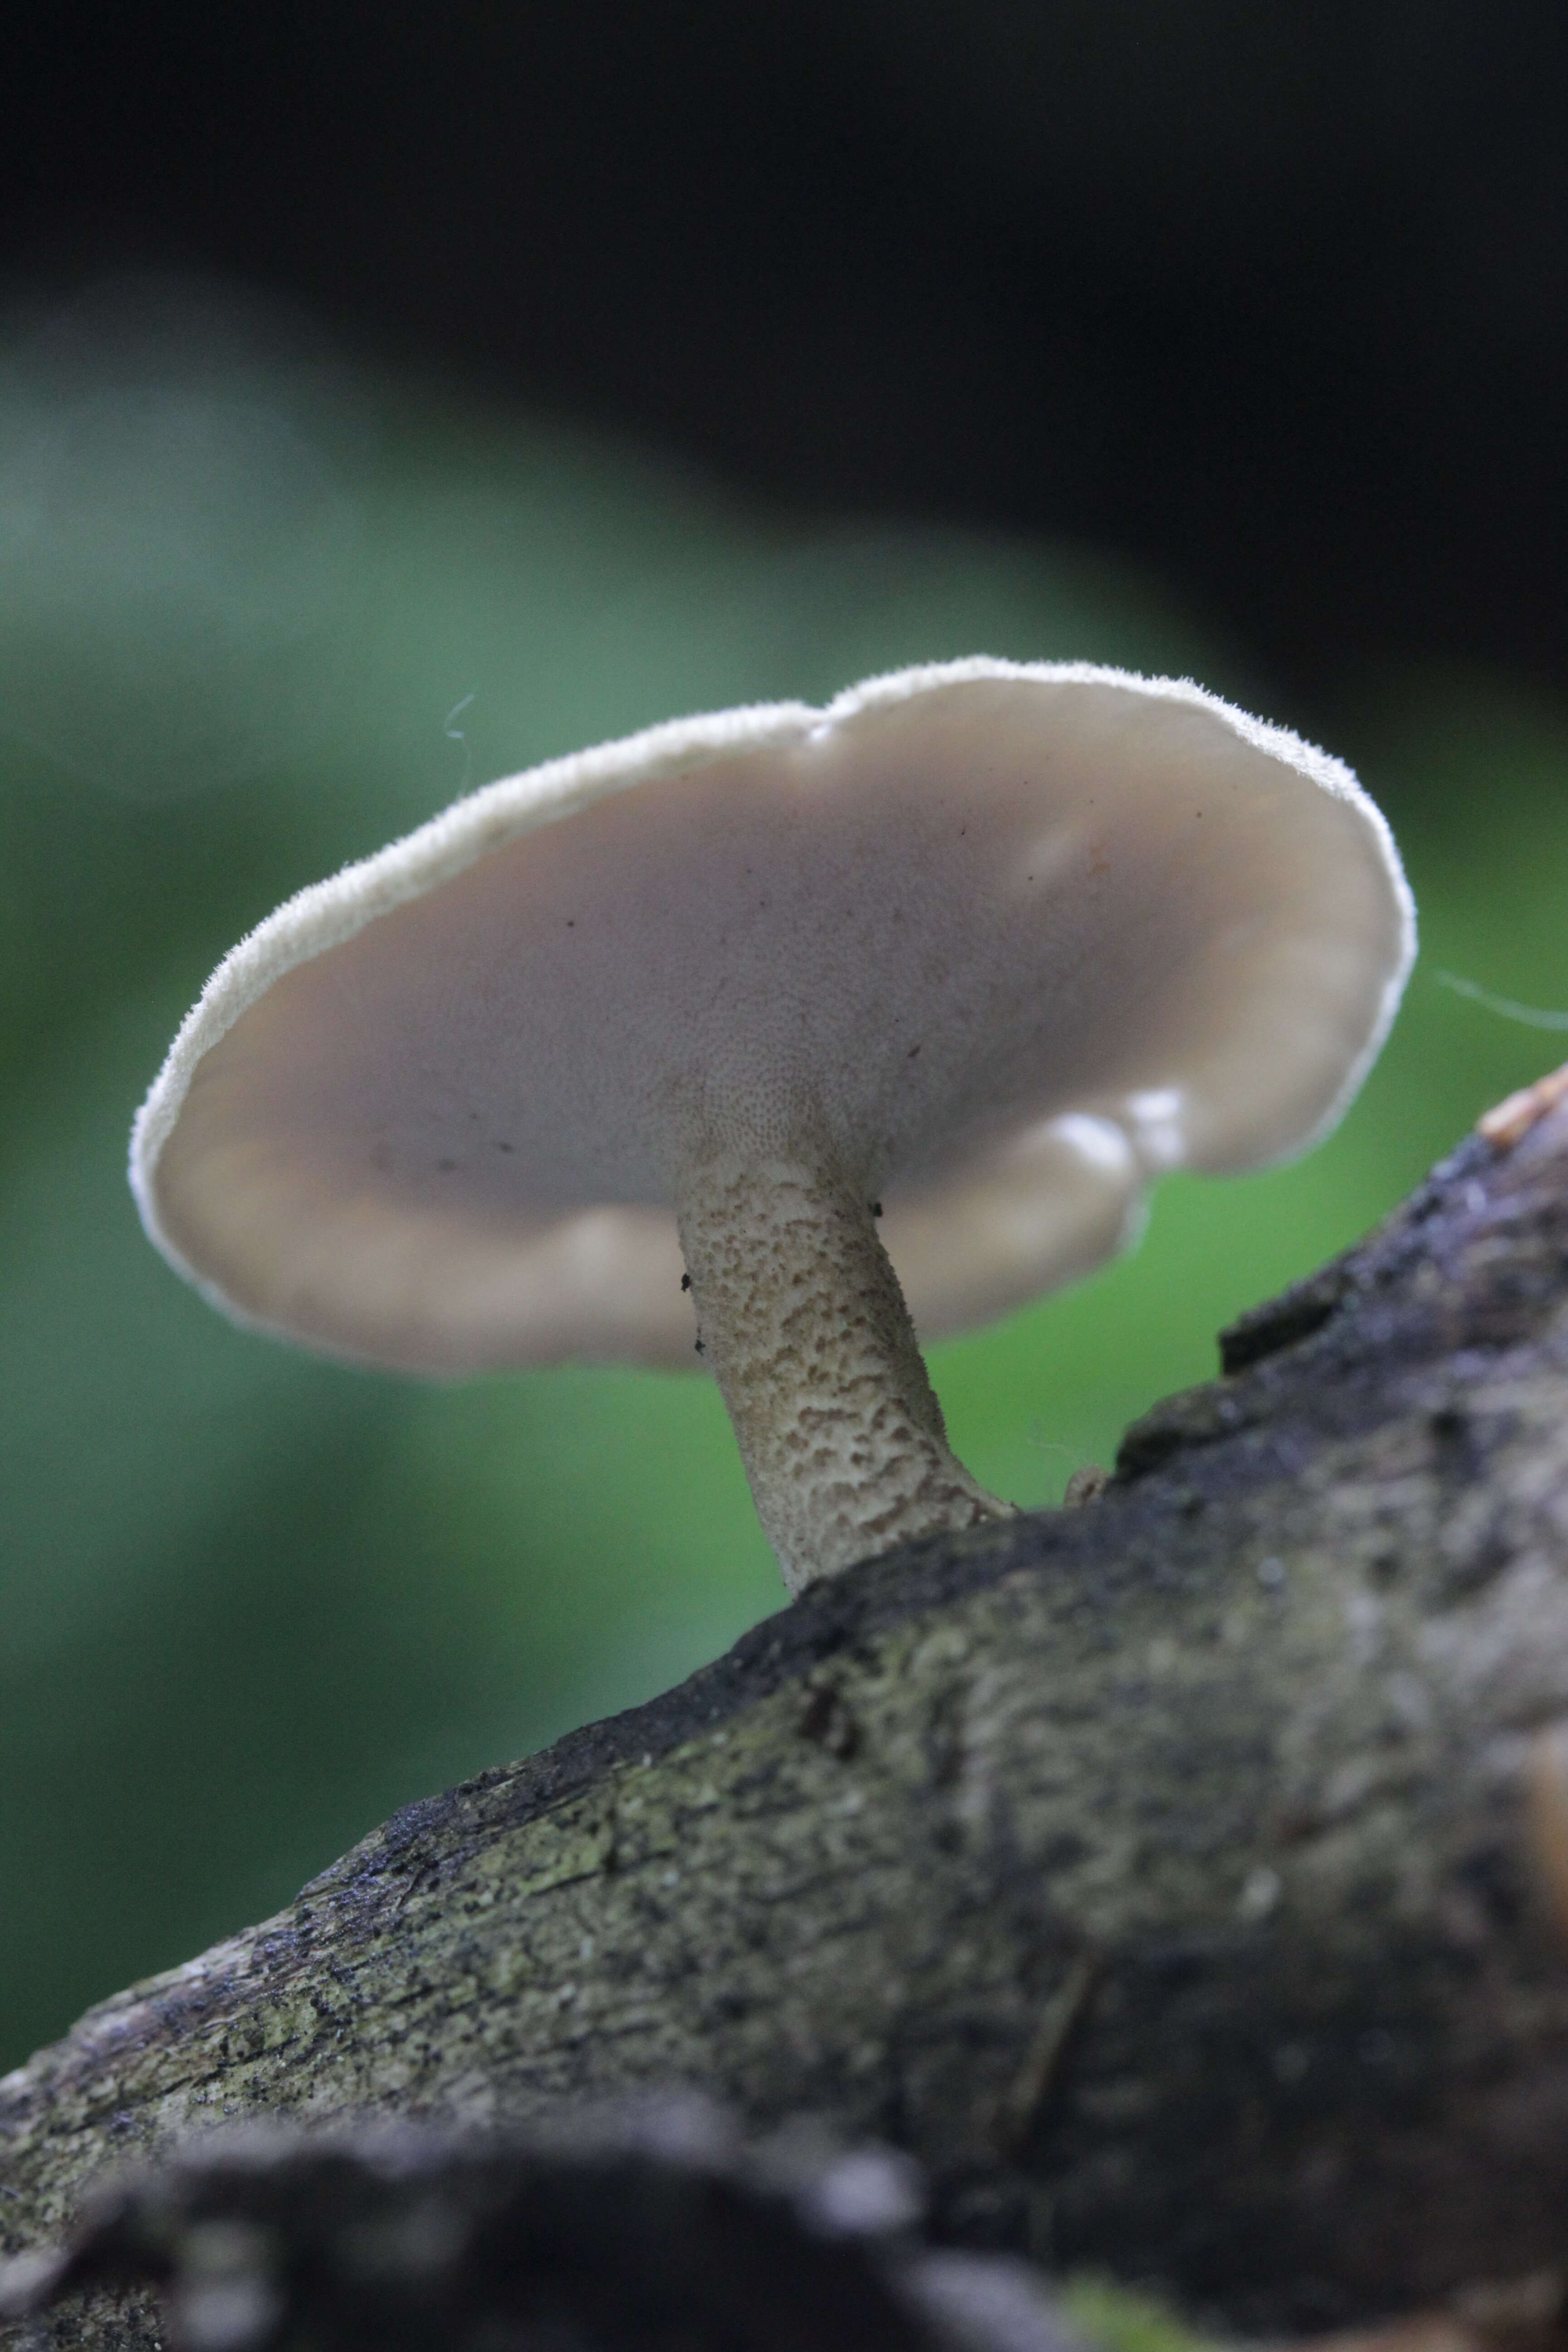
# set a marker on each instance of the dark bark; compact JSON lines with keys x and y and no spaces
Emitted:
{"x":654,"y":2230}
{"x":1178,"y":1877}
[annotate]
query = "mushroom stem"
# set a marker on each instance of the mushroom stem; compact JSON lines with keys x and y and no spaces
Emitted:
{"x":804,"y":1324}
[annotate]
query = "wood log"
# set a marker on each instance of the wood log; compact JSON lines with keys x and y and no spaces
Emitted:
{"x":1183,"y":1879}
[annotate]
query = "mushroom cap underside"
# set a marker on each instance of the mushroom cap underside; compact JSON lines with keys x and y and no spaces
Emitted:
{"x":1005,"y":941}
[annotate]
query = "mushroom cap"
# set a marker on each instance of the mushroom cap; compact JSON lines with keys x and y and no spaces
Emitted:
{"x":1007,"y":940}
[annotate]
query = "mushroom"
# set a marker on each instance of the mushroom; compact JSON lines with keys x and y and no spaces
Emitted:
{"x":622,"y":1057}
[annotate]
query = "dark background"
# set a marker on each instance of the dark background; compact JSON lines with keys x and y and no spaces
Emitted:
{"x":1274,"y":297}
{"x":389,"y":399}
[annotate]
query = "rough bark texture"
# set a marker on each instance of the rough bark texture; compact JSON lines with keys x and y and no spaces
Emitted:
{"x":1165,"y":1874}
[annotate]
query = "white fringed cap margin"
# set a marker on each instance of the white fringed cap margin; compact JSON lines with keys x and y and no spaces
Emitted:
{"x":1011,"y":938}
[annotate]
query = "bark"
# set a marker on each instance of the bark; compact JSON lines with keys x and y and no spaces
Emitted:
{"x":1181,"y":1879}
{"x":653,"y":2229}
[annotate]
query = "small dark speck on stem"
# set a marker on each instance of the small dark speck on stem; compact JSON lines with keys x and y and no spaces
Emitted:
{"x":912,"y":1052}
{"x":686,"y":1282}
{"x":701,"y":1349}
{"x":504,"y":1147}
{"x":876,"y":1208}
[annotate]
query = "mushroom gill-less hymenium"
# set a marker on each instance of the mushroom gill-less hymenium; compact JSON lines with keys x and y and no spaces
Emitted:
{"x":778,"y":1036}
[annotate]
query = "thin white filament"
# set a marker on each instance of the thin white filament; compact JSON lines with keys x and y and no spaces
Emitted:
{"x":1531,"y":1016}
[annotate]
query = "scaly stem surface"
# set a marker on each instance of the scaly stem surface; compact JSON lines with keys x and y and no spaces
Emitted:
{"x":802,"y":1322}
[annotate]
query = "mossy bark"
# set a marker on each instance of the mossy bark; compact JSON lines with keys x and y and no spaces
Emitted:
{"x":1163,"y":1874}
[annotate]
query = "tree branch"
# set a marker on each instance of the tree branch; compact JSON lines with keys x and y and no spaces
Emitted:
{"x":1179,"y":1878}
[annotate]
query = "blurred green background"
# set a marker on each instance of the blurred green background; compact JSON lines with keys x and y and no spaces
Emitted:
{"x":262,"y":608}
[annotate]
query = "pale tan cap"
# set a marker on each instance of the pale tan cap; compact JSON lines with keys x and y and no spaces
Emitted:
{"x":1011,"y":940}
